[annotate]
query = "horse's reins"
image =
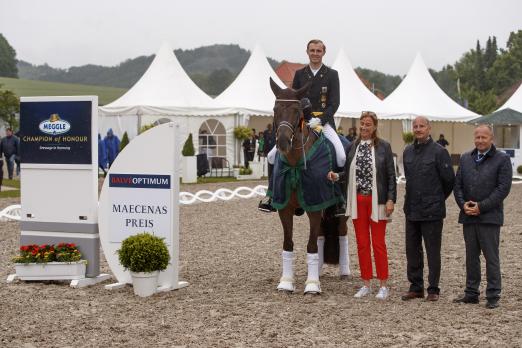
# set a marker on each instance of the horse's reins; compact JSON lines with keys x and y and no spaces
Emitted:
{"x":292,"y":128}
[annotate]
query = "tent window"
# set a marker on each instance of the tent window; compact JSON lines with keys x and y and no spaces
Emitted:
{"x":507,"y":137}
{"x":212,"y":139}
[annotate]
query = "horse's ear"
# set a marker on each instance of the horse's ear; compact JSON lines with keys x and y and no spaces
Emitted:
{"x":275,"y":87}
{"x":301,"y":92}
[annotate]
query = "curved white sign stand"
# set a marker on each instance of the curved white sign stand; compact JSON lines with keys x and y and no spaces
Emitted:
{"x":141,"y":194}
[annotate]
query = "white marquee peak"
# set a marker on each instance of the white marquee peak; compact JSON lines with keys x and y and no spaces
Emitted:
{"x":355,"y":96}
{"x":165,"y":84}
{"x":250,"y":91}
{"x":419,"y":95}
{"x":515,"y":101}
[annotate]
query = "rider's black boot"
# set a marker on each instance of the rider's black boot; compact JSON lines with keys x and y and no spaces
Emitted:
{"x":265,"y":205}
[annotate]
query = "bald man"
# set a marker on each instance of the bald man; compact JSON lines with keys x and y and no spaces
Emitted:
{"x":429,"y":181}
{"x":483,"y":182}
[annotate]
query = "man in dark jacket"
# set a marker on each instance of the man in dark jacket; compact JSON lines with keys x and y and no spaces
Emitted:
{"x":483,"y":182}
{"x":429,"y":181}
{"x":10,"y":147}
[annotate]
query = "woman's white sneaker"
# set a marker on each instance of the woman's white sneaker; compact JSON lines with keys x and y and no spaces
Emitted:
{"x":383,"y":293}
{"x":364,"y":291}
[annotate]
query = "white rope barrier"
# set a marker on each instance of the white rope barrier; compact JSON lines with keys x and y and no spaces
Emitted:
{"x":223,"y":194}
{"x":11,"y":212}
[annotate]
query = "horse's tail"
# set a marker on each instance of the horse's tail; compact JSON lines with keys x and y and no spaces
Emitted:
{"x":330,"y":227}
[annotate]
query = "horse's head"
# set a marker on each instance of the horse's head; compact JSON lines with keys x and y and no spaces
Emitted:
{"x":287,"y":114}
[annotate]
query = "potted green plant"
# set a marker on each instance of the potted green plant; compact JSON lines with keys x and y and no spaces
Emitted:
{"x":144,"y":255}
{"x":49,"y":262}
{"x":241,"y":133}
{"x":189,"y":162}
{"x":407,"y":137}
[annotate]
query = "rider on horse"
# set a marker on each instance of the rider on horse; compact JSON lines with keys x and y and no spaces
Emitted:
{"x":318,"y":108}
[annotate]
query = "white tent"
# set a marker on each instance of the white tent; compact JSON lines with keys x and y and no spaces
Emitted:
{"x":419,"y":95}
{"x":166,"y":93}
{"x":250,"y":92}
{"x":355,"y":97}
{"x":515,"y":101}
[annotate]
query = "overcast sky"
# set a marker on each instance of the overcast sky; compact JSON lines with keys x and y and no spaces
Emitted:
{"x":377,"y":34}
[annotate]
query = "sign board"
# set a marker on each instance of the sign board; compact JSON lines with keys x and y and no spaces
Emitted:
{"x":140,"y":203}
{"x":141,"y":194}
{"x":59,"y":173}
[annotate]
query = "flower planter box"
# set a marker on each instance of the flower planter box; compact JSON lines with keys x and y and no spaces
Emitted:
{"x":51,"y":270}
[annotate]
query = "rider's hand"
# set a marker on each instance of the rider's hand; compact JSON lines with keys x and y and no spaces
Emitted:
{"x":315,"y":123}
{"x":332,"y":176}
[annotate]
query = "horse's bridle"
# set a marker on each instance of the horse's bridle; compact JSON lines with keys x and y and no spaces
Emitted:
{"x":287,"y":124}
{"x":293,"y":128}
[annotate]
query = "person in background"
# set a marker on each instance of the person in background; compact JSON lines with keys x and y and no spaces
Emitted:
{"x":429,"y":182}
{"x":261,"y":146}
{"x":17,"y":158}
{"x":442,"y":142}
{"x":371,"y":189}
{"x":483,"y":182}
{"x":249,"y":148}
{"x":10,"y":147}
{"x":352,"y":134}
{"x":102,"y":155}
{"x":112,"y":144}
{"x":340,"y":131}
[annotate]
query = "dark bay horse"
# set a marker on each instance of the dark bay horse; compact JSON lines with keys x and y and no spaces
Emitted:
{"x":293,"y":140}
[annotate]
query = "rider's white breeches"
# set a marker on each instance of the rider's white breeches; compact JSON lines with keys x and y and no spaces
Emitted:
{"x":331,"y":135}
{"x":271,"y":155}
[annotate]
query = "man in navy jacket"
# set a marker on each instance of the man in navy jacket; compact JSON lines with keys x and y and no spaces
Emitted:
{"x":483,"y":182}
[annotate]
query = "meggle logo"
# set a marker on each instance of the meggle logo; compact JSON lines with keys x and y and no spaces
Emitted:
{"x":55,"y":125}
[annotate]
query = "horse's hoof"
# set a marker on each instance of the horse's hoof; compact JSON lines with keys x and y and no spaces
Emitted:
{"x":348,"y":276}
{"x":286,"y":285}
{"x":312,"y":287}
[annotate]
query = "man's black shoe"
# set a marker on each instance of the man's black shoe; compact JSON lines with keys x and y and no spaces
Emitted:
{"x":299,"y":211}
{"x":265,"y":205}
{"x":492,"y":304}
{"x":466,"y":299}
{"x":340,"y":209}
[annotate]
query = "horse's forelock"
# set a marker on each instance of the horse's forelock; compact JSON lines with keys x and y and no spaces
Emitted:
{"x":287,"y":93}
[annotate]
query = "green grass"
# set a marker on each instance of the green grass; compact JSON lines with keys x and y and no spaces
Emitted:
{"x":31,"y":88}
{"x":11,"y":183}
{"x":212,"y":180}
{"x":10,"y":193}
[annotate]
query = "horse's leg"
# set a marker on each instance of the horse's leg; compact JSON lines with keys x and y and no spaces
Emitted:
{"x":286,"y":216}
{"x":313,"y":286}
{"x":344,"y":256}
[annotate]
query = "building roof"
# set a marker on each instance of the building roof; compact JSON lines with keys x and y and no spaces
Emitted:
{"x":286,"y":71}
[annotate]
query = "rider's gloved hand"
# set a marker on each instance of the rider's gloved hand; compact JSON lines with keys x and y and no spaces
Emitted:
{"x":315,"y":124}
{"x":306,"y":106}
